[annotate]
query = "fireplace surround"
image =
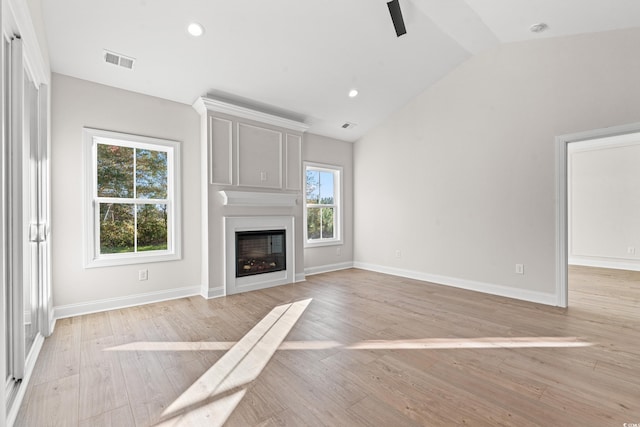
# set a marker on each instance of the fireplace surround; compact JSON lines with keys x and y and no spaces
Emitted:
{"x":264,"y":240}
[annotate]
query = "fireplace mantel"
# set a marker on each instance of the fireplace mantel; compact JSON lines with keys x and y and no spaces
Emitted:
{"x":254,"y":198}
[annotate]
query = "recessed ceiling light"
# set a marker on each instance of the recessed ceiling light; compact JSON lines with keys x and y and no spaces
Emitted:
{"x":195,"y":29}
{"x":538,"y":28}
{"x":353,"y":93}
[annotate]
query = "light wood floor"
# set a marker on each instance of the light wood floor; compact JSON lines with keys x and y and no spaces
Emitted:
{"x":535,"y":365}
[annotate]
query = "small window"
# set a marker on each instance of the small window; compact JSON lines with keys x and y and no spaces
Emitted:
{"x":132,"y":199}
{"x":322,"y":204}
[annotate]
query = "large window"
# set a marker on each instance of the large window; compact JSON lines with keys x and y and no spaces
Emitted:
{"x":322,"y":204}
{"x":132,"y":199}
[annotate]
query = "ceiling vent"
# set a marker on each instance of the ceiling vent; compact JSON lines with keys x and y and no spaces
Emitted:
{"x":119,"y":60}
{"x":348,"y":125}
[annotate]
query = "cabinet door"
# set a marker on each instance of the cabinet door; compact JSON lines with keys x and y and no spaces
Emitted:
{"x":259,"y":157}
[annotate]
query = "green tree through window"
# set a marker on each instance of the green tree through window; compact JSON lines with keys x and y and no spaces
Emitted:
{"x":135,"y":219}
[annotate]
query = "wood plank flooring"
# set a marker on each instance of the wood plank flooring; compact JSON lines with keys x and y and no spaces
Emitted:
{"x":370,"y":350}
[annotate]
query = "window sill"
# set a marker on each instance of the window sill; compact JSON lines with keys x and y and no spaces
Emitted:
{"x":308,"y":244}
{"x":131,"y":260}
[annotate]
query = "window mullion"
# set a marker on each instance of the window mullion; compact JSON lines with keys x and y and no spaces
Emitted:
{"x":130,"y":201}
{"x":135,"y":197}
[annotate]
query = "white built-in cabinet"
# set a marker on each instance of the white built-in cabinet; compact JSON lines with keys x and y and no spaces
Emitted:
{"x":246,"y":148}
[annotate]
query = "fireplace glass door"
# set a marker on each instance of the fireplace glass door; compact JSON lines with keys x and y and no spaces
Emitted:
{"x":259,"y":252}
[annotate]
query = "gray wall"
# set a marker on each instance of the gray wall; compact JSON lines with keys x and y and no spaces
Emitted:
{"x":78,"y":103}
{"x":462,"y":179}
{"x":320,"y":149}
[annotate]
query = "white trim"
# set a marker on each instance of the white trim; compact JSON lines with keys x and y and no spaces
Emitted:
{"x":338,"y":174}
{"x":562,"y":239}
{"x":92,"y":258}
{"x":216,"y":292}
{"x":300,"y":277}
{"x":233,"y":224}
{"x":204,"y":104}
{"x":204,"y":208}
{"x":30,"y":364}
{"x":309,"y":271}
{"x":615,"y":264}
{"x":252,"y":198}
{"x":70,"y":310}
{"x":471,"y":285}
{"x":562,"y":142}
{"x":52,"y":322}
{"x":608,"y":142}
{"x":18,"y":10}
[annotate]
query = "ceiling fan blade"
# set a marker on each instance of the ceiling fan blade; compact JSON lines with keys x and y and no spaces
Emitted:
{"x":396,"y":17}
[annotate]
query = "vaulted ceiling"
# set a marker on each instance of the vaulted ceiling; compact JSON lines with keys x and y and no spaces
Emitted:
{"x":300,"y":58}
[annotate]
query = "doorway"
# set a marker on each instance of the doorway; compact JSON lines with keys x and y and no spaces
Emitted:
{"x":24,"y":222}
{"x":614,"y":135}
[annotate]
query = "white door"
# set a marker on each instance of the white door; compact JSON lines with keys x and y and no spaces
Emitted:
{"x":25,"y":190}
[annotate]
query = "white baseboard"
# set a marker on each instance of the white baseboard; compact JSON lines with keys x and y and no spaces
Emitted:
{"x":612,"y":263}
{"x":472,"y":285}
{"x":216,"y":292}
{"x":300,"y":277}
{"x":30,"y":364}
{"x":70,"y":310}
{"x":52,"y":321}
{"x":327,"y":268}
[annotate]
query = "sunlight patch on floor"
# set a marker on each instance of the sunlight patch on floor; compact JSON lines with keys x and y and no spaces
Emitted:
{"x":462,"y":343}
{"x":404,"y":344}
{"x":174,"y":346}
{"x":214,"y":413}
{"x":202,"y":402}
{"x":213,"y":397}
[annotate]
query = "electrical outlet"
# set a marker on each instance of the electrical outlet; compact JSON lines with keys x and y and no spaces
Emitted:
{"x":519,"y":268}
{"x":263,"y":176}
{"x":398,"y":253}
{"x":338,"y":251}
{"x":143,"y":274}
{"x":631,"y":250}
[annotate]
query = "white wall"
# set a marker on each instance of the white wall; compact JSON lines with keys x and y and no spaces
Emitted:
{"x":320,"y":149}
{"x":461,"y":180}
{"x":77,"y":103}
{"x":604,"y":203}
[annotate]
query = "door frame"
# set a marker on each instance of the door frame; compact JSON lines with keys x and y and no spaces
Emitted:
{"x":562,"y":220}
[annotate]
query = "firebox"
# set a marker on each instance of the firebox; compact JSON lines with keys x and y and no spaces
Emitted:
{"x":259,"y":252}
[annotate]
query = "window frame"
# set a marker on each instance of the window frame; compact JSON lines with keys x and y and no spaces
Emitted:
{"x":92,"y":256}
{"x":337,"y":191}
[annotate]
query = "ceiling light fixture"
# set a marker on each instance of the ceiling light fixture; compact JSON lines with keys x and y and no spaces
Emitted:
{"x":538,"y":28}
{"x":353,"y":93}
{"x":195,"y":29}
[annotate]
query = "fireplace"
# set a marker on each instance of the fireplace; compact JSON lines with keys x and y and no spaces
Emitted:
{"x":259,"y":252}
